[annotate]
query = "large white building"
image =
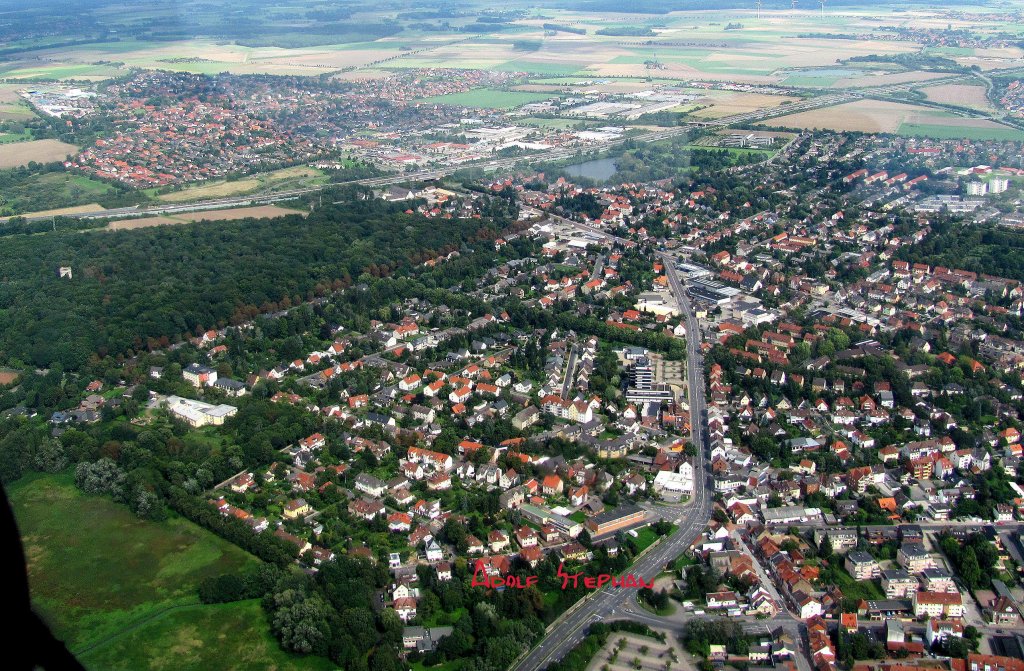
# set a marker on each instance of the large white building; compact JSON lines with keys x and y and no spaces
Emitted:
{"x":198,"y":413}
{"x":678,"y":483}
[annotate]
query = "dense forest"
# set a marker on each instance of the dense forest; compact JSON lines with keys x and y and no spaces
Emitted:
{"x":980,"y":249}
{"x":133,"y":287}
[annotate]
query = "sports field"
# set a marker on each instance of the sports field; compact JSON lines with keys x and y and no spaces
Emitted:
{"x":96,"y":569}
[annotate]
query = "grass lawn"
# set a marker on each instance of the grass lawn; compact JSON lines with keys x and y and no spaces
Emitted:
{"x":219,"y":636}
{"x":683,"y":561}
{"x":443,"y":619}
{"x":452,"y":665}
{"x":23,"y":136}
{"x":578,"y":516}
{"x":661,"y":612}
{"x":810,"y":80}
{"x":489,"y":98}
{"x":953,"y":132}
{"x":646,"y":536}
{"x":95,"y":568}
{"x":853,"y":589}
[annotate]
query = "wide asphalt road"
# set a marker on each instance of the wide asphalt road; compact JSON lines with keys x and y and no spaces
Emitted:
{"x":568,"y":631}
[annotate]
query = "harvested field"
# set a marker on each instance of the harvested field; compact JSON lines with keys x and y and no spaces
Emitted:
{"x":869,"y":116}
{"x":305,"y":175}
{"x":256,"y":212}
{"x":41,"y":151}
{"x":219,"y":190}
{"x":964,"y":95}
{"x":737,"y":103}
{"x":77,"y":209}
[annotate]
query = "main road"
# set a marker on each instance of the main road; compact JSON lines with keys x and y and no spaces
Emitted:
{"x":570,"y":629}
{"x":556,"y":154}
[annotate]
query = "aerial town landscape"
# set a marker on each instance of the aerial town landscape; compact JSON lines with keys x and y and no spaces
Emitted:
{"x":568,"y":335}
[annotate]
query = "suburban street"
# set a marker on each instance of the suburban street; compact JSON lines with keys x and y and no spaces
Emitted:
{"x":609,"y":603}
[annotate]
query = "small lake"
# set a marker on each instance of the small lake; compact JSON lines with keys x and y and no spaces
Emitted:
{"x":600,"y":169}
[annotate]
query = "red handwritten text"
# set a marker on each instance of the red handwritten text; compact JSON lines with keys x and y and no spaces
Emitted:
{"x":481,"y":578}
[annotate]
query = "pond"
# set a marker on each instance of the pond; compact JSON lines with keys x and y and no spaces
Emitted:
{"x":600,"y":169}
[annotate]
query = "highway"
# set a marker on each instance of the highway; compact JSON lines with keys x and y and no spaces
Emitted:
{"x":556,"y":154}
{"x":609,"y":602}
{"x":824,"y":100}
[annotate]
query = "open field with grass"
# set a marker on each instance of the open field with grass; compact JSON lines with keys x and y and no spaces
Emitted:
{"x":286,"y":178}
{"x":57,"y":68}
{"x":881,"y":78}
{"x":993,"y":131}
{"x":69,"y":192}
{"x":489,"y":99}
{"x":7,"y":138}
{"x":41,"y":151}
{"x":256,"y":212}
{"x":95,"y":568}
{"x":222,"y":636}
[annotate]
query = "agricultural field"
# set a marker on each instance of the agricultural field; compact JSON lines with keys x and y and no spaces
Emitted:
{"x":14,"y":154}
{"x":222,"y":636}
{"x":869,"y":116}
{"x":489,"y":99}
{"x":96,"y":569}
{"x":878,"y":116}
{"x":59,"y":211}
{"x":963,"y":95}
{"x":286,"y":178}
{"x":989,"y":131}
{"x":724,"y":103}
{"x":58,"y":69}
{"x":258,"y":212}
{"x":12,"y":106}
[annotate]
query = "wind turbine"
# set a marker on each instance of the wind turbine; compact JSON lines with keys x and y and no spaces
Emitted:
{"x":758,"y":5}
{"x":822,"y":2}
{"x":794,"y":5}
